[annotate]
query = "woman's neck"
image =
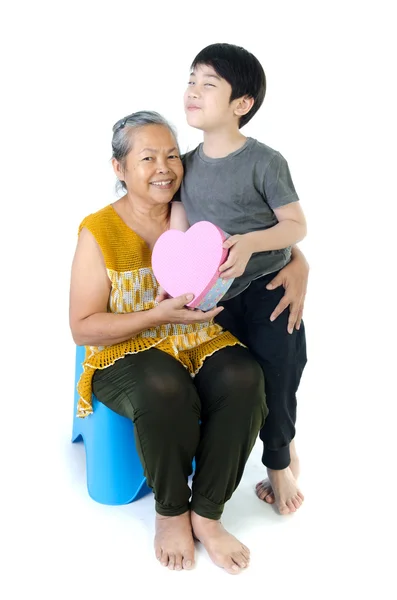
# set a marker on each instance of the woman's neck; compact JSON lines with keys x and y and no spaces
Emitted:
{"x":149,"y":222}
{"x":142,"y":213}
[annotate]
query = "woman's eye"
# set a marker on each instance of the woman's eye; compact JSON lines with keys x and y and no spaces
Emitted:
{"x":173,"y":156}
{"x":148,"y":158}
{"x":190,"y":82}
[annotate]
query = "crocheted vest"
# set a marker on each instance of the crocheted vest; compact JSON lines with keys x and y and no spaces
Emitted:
{"x":133,"y":289}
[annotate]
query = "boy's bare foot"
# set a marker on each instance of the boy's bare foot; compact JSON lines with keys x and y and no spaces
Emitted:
{"x":173,"y":542}
{"x":281,"y":487}
{"x":223,"y":548}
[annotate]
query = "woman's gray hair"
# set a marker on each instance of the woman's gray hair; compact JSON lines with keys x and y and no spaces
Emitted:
{"x":122,"y":138}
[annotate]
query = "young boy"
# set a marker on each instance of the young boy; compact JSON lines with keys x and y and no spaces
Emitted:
{"x":245,"y":188}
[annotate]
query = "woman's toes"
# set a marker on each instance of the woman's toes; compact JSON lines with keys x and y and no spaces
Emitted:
{"x":164,"y":559}
{"x":231,"y":567}
{"x":239,"y":559}
{"x":188,"y":563}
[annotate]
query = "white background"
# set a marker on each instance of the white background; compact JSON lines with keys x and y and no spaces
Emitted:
{"x":69,"y":71}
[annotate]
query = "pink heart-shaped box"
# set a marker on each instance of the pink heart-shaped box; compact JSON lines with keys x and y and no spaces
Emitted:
{"x":189,"y":263}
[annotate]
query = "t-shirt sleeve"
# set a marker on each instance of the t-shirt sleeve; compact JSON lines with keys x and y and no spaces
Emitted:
{"x":278,"y":185}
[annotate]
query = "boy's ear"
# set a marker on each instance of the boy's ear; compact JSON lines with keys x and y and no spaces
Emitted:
{"x":243,"y":105}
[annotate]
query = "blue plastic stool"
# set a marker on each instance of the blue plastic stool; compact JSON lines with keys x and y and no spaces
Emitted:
{"x":114,"y":471}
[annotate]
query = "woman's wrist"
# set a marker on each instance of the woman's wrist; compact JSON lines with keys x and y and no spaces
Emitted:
{"x":154,"y":315}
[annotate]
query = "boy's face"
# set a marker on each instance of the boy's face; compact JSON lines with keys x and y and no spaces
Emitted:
{"x":207,"y":100}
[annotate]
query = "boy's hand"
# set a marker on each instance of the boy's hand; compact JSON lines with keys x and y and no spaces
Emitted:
{"x":239,"y":255}
{"x":293,"y":278}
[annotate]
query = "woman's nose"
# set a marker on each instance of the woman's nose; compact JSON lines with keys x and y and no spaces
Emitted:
{"x":162,"y":167}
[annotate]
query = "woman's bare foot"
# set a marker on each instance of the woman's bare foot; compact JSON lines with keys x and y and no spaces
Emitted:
{"x":223,"y":548}
{"x":281,"y":487}
{"x":173,"y":543}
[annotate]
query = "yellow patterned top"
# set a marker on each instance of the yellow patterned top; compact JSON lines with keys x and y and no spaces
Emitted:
{"x":134,"y":288}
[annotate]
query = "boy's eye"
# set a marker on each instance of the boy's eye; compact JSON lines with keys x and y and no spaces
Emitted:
{"x":190,"y":82}
{"x":209,"y":85}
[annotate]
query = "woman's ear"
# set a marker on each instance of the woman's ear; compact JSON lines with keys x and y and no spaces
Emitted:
{"x":118,"y":169}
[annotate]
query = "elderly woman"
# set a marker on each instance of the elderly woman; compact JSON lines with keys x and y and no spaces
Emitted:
{"x":191,"y":389}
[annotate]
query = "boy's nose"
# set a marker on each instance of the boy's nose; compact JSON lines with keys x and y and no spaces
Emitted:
{"x":193,"y":93}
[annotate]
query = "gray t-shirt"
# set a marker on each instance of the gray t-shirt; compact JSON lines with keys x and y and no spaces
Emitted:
{"x":238,"y":194}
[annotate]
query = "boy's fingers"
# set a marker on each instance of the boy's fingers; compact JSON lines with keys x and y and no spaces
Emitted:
{"x":281,"y":306}
{"x":293,"y":317}
{"x":275,"y":283}
{"x":226,"y":265}
{"x":229,"y":274}
{"x":233,"y":239}
{"x":299,"y":319}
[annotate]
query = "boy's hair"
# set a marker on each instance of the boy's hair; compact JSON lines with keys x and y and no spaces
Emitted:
{"x":241,"y":69}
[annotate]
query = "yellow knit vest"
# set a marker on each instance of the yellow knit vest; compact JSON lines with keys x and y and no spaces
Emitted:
{"x":134,"y":288}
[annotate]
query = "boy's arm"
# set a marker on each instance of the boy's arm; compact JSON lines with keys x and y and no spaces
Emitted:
{"x":290,"y":229}
{"x":178,"y":217}
{"x":279,"y":193}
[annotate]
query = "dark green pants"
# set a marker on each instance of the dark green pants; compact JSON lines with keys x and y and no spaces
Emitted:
{"x":166,"y":404}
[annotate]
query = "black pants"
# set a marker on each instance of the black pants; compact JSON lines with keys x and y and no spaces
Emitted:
{"x":281,"y":355}
{"x":166,"y":404}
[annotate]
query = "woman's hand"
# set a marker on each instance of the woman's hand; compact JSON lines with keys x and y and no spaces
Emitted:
{"x":174,"y":310}
{"x":293,"y":278}
{"x":161,"y":294}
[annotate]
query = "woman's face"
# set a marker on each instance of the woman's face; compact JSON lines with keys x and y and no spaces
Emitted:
{"x":153,"y":168}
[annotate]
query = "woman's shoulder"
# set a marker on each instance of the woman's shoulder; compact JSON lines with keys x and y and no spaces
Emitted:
{"x":98,"y":219}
